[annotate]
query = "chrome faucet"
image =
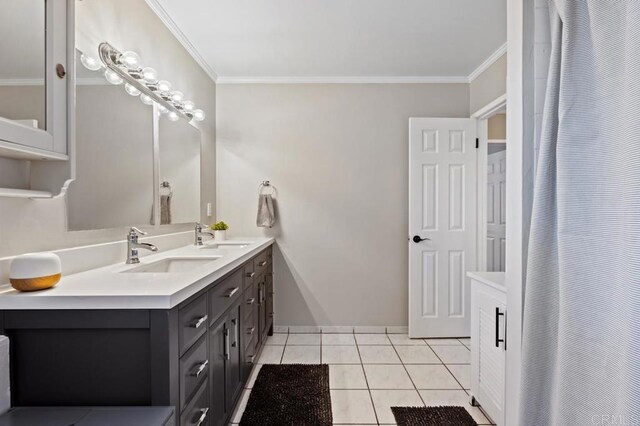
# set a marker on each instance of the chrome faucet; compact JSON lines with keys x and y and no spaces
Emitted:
{"x":199,"y":233}
{"x":133,"y":245}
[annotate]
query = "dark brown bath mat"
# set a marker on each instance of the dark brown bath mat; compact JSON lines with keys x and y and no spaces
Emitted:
{"x":290,"y":394}
{"x":432,"y":416}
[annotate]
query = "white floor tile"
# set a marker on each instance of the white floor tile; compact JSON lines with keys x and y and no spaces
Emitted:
{"x":379,"y":354}
{"x":346,"y":377}
{"x":337,"y":329}
{"x":387,"y":377}
{"x":304,"y":339}
{"x":462,"y":372}
{"x":404,"y":340}
{"x":338,"y":339}
{"x":352,"y":406}
{"x":370,"y":329}
{"x":277,"y":339}
{"x":301,"y":355}
{"x":383,"y":400}
{"x":443,"y":342}
{"x":280,"y":329}
{"x":253,"y":376}
{"x":271,"y":355}
{"x":417,"y":355}
{"x":453,"y":397}
{"x":432,"y":377}
{"x":453,"y":354}
{"x":242,"y":404}
{"x":340,"y":355}
{"x":399,"y":329}
{"x":294,"y":329}
{"x":372,"y":339}
{"x":466,"y":342}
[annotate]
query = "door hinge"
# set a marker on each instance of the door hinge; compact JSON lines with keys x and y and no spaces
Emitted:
{"x":477,"y":143}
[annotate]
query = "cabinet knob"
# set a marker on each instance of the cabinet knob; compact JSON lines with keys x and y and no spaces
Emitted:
{"x":60,"y":71}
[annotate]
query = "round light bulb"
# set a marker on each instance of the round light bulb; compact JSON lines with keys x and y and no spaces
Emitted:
{"x":150,"y":75}
{"x":130,"y":59}
{"x":162,"y":109}
{"x":164,"y":86}
{"x":198,"y":115}
{"x":112,"y":77}
{"x":146,"y":99}
{"x":90,"y":63}
{"x":132,"y":90}
{"x":173,"y":116}
{"x":177,"y":96}
{"x":188,"y":106}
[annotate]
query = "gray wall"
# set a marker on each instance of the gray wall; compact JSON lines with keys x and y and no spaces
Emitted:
{"x":34,"y":225}
{"x":489,"y":85}
{"x":338,"y":156}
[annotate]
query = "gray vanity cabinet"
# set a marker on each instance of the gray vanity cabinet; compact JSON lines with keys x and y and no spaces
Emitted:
{"x":195,"y":357}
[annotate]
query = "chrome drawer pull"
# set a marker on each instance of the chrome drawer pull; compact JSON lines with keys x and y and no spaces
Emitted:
{"x":270,"y":314}
{"x":203,"y":416}
{"x":250,"y":274}
{"x":251,"y":330}
{"x":263,"y":263}
{"x":251,"y":301}
{"x":200,"y":321}
{"x":226,"y":344}
{"x":200,"y":369}
{"x":232,"y":292}
{"x":251,"y":358}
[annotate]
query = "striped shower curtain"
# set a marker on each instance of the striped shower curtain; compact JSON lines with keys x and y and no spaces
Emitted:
{"x":581,"y":329}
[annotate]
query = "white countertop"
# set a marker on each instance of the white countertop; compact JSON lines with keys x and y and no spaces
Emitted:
{"x":108,"y":288}
{"x":492,"y":279}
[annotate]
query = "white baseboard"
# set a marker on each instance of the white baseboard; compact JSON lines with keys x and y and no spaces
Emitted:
{"x":349,"y":329}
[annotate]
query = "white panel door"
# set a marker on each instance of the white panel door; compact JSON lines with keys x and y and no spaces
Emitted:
{"x":496,"y":210}
{"x":442,"y":211}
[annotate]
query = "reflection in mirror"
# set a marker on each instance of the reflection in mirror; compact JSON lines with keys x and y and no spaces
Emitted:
{"x":114,"y":156}
{"x":179,"y":171}
{"x":22,"y":62}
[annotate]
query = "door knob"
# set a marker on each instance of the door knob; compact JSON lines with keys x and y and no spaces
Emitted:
{"x":417,"y":239}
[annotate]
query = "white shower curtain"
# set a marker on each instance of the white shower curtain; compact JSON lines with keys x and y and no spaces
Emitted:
{"x":581,"y":330}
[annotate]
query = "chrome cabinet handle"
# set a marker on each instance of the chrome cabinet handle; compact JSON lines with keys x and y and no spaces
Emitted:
{"x":251,"y":330}
{"x":226,"y":344}
{"x":200,"y":369}
{"x":251,"y":301}
{"x":203,"y":416}
{"x":235,"y":332}
{"x":263,"y":263}
{"x":232,"y":292}
{"x":200,"y":321}
{"x":250,"y":274}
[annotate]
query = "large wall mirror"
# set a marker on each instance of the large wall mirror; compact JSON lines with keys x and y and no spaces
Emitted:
{"x":22,"y":67}
{"x":135,"y":163}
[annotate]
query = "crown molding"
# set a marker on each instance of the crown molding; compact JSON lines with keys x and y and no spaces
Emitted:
{"x":342,"y":80}
{"x":179,"y":35}
{"x":502,"y":50}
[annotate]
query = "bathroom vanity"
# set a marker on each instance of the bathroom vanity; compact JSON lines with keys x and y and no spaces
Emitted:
{"x":183,"y":329}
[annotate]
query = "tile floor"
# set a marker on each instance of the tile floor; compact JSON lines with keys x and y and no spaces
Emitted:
{"x":369,"y":373}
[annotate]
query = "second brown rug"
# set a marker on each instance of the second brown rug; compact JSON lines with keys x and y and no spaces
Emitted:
{"x":432,"y":416}
{"x":290,"y":394}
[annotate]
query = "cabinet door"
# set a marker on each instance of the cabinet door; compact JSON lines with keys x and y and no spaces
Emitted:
{"x":263,"y":310}
{"x":488,"y":351}
{"x":269,"y":292}
{"x":234,"y":363}
{"x":218,"y":354}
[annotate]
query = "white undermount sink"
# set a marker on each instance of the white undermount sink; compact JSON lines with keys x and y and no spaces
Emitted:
{"x":174,"y":264}
{"x":226,"y":245}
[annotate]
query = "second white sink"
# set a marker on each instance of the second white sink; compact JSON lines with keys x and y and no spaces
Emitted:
{"x":174,"y":264}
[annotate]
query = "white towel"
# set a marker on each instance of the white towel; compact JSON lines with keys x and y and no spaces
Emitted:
{"x":266,"y":213}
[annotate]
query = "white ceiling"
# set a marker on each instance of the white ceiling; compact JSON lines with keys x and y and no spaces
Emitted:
{"x":340,"y":38}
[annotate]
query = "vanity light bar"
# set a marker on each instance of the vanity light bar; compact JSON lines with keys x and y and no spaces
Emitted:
{"x":159,"y":91}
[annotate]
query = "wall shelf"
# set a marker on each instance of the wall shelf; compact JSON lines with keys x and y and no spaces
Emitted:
{"x":24,"y":193}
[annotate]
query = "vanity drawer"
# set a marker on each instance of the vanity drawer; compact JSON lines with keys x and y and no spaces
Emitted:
{"x":248,"y":303}
{"x":193,"y":322}
{"x":250,"y":328}
{"x":249,"y":273}
{"x":261,"y":262}
{"x":223,"y":295}
{"x":194,"y":369}
{"x":197,"y":412}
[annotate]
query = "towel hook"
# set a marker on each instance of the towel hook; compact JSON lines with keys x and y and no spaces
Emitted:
{"x":267,"y":184}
